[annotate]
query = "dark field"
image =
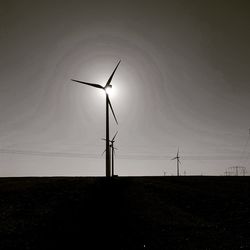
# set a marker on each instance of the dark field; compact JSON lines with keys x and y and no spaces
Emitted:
{"x":125,"y":213}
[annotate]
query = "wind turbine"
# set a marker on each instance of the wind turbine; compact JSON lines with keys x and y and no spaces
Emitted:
{"x":177,"y":158}
{"x":112,"y":153}
{"x":108,"y":104}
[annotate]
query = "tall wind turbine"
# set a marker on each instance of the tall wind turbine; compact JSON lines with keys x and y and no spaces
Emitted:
{"x":108,"y":104}
{"x":112,"y":153}
{"x":177,"y":158}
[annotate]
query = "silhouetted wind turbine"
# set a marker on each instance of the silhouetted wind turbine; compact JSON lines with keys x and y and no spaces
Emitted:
{"x":108,"y":104}
{"x":177,"y":158}
{"x":112,"y":152}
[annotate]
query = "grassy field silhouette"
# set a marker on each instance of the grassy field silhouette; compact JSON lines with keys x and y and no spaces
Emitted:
{"x":187,"y":212}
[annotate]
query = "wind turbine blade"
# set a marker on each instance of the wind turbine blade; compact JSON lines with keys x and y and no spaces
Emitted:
{"x":112,"y":110}
{"x":114,"y":136}
{"x":110,"y":78}
{"x":103,"y":152}
{"x":174,"y":158}
{"x":90,"y":84}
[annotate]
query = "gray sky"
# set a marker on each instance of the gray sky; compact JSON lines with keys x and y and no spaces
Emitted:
{"x":183,"y":81}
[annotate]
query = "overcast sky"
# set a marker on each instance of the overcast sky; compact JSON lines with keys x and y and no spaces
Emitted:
{"x":183,"y":82}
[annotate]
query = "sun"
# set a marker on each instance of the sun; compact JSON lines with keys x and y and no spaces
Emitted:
{"x":111,"y":91}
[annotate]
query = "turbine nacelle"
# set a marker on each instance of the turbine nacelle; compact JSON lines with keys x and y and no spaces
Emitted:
{"x":108,"y":89}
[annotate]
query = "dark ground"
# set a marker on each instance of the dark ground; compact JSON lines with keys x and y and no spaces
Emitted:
{"x":125,"y":213}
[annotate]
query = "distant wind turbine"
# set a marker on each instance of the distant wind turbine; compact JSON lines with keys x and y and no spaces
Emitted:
{"x":177,"y":158}
{"x":108,"y":104}
{"x":112,"y":152}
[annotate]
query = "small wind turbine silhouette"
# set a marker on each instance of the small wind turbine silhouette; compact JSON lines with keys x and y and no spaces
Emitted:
{"x":112,"y":153}
{"x":108,"y":104}
{"x":177,"y":158}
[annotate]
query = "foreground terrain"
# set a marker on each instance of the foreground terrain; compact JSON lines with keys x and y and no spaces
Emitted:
{"x":125,"y":213}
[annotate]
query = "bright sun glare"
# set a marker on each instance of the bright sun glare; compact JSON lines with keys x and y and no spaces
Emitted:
{"x":110,"y":91}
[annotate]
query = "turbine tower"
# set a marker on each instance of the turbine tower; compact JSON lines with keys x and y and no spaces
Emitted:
{"x":108,"y":104}
{"x":177,"y":158}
